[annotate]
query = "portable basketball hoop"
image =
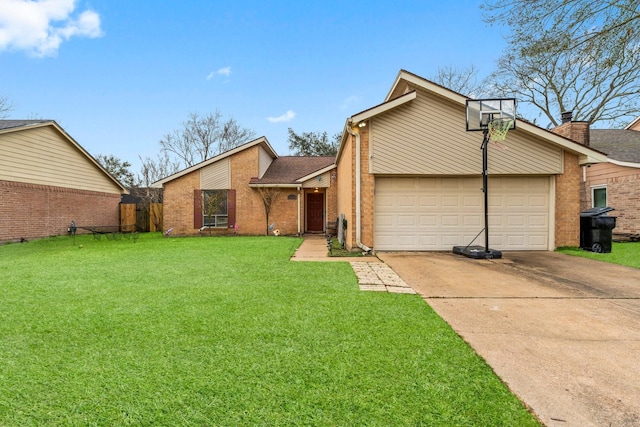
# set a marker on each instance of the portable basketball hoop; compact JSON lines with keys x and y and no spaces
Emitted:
{"x":494,"y":118}
{"x":498,"y":129}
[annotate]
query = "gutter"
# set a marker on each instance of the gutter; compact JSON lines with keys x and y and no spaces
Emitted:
{"x":358,"y":207}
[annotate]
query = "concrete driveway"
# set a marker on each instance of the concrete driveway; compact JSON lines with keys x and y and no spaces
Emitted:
{"x":562,"y":332}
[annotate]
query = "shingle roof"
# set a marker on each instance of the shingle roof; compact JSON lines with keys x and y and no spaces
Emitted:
{"x":619,"y":144}
{"x":8,"y":124}
{"x":289,"y":169}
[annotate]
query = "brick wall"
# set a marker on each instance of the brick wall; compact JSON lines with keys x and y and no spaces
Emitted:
{"x":250,"y":213}
{"x":345,"y":194}
{"x":34,"y":211}
{"x":367,"y":190}
{"x":567,"y":212}
{"x":623,"y":194}
{"x":178,"y":204}
{"x":575,"y":131}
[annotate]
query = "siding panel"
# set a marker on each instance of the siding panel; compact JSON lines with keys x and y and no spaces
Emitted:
{"x":216,"y":176}
{"x":415,"y":139}
{"x":43,"y":156}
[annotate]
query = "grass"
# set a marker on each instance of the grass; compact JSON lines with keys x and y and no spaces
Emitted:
{"x":338,"y":251}
{"x":224,"y":331}
{"x":627,"y":253}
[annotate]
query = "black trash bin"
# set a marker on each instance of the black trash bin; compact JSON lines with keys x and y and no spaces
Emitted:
{"x":596,"y":229}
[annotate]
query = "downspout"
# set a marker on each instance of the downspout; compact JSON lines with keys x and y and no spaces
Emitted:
{"x":299,"y":232}
{"x":358,"y":208}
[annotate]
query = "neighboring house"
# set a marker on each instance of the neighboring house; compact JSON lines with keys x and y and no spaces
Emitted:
{"x":616,"y":183}
{"x":48,"y":180}
{"x":409,"y":177}
{"x":222,"y":195}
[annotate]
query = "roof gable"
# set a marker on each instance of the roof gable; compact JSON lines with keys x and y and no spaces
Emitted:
{"x":262,"y":141}
{"x":9,"y":127}
{"x":407,"y":82}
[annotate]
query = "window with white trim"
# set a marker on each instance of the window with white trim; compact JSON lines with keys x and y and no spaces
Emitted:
{"x":214,"y":208}
{"x":599,"y":196}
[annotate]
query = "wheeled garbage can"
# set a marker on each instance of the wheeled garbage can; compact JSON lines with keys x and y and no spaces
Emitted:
{"x":596,"y":229}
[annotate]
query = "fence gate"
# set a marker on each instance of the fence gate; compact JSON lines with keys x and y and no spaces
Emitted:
{"x":127,"y":218}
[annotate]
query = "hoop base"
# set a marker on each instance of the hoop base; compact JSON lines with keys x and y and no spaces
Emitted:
{"x":477,"y":252}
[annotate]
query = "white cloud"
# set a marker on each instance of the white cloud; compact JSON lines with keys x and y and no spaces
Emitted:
{"x":286,"y":117}
{"x":39,"y":27}
{"x":225,"y":71}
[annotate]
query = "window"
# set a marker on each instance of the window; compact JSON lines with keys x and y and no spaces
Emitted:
{"x":214,"y":208}
{"x":599,"y":197}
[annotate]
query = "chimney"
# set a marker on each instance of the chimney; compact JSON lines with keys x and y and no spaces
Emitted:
{"x":576,"y":131}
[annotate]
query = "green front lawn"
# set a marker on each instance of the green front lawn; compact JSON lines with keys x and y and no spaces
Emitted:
{"x":627,"y":253}
{"x":224,"y":331}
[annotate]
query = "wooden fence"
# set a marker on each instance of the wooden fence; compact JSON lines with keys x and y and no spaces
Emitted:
{"x":140,"y":217}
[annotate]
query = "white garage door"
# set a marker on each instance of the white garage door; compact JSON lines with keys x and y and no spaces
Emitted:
{"x":425,"y":214}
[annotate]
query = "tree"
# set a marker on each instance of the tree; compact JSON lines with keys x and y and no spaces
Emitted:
{"x":268,"y":195}
{"x":464,"y":81}
{"x":571,"y":55}
{"x":118,"y":168}
{"x":203,"y":137}
{"x":5,"y":107}
{"x":152,"y":170}
{"x":313,"y":143}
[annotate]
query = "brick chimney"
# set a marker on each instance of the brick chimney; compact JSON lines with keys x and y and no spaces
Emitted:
{"x":576,"y":131}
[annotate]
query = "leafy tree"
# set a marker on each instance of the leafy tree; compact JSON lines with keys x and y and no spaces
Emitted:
{"x":203,"y":137}
{"x":571,"y":55}
{"x":313,"y":143}
{"x":118,"y":168}
{"x":5,"y":107}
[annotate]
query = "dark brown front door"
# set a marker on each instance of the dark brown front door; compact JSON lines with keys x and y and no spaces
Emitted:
{"x":315,"y":212}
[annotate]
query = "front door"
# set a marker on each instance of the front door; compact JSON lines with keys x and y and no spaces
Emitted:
{"x":315,"y":212}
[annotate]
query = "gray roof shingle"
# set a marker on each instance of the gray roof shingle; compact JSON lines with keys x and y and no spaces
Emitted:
{"x":288,"y":169}
{"x":8,"y":124}
{"x":619,"y":144}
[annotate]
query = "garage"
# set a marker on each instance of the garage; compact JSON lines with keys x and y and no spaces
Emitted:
{"x":437,"y":213}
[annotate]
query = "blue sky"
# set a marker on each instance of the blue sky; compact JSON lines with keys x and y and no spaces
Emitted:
{"x":118,"y":75}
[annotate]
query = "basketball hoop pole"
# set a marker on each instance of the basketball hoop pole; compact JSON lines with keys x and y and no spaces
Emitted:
{"x":485,"y":188}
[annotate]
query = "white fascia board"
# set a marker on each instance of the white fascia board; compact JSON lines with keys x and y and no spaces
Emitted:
{"x":625,"y":164}
{"x":316,"y":173}
{"x":586,"y":155}
{"x":260,"y":141}
{"x":275,"y":185}
{"x":630,"y":125}
{"x":379,"y":109}
{"x":427,"y":85}
{"x":78,"y":147}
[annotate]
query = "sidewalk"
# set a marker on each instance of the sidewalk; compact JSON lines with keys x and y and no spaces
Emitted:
{"x":372,"y":273}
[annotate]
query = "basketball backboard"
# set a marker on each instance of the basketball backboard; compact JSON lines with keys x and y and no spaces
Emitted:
{"x":481,"y":111}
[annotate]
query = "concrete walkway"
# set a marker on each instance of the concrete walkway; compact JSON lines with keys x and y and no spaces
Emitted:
{"x":372,"y":274}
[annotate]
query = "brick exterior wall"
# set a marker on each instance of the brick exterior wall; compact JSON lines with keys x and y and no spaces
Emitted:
{"x":33,"y":211}
{"x":567,"y":211}
{"x":345,"y":193}
{"x":250,"y":213}
{"x":623,"y":194}
{"x":575,"y":131}
{"x":367,"y":190}
{"x":178,"y":206}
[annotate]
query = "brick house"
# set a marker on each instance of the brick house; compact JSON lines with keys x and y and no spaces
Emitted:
{"x":222,"y":195}
{"x":616,"y":183}
{"x":410,"y":177}
{"x":48,"y":180}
